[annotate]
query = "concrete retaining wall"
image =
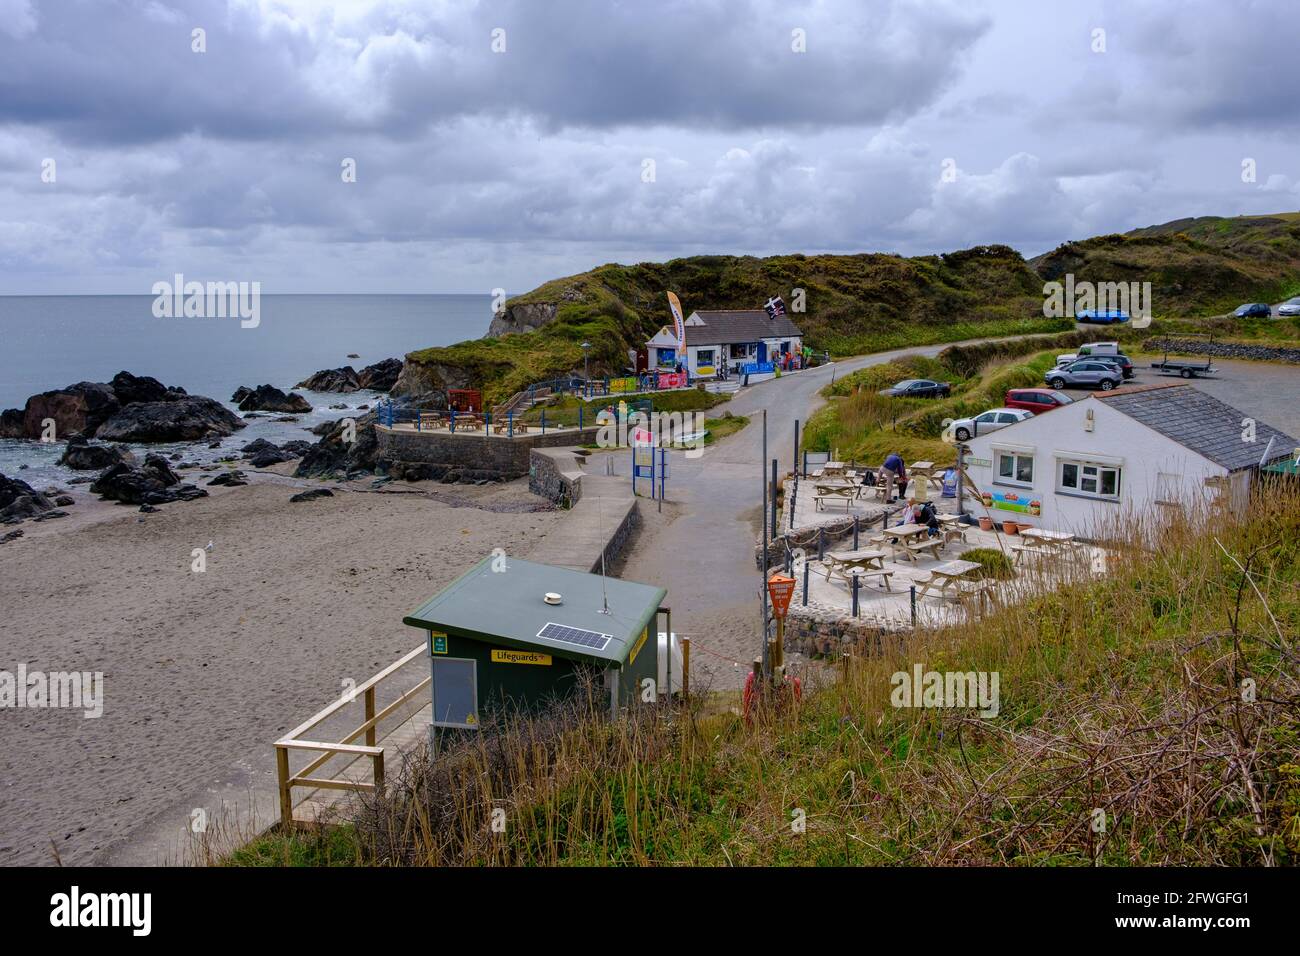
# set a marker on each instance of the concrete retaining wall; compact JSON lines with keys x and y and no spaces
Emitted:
{"x":435,"y":454}
{"x":556,"y":474}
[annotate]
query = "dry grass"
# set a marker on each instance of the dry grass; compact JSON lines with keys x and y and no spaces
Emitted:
{"x":1147,"y":717}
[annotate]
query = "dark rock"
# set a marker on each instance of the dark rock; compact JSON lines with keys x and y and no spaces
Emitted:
{"x":313,"y":494}
{"x":353,"y":355}
{"x":258,"y":445}
{"x":285,"y":418}
{"x":268,"y":458}
{"x":332,"y":380}
{"x":76,"y":410}
{"x":340,"y":405}
{"x":80,"y":481}
{"x":65,"y":501}
{"x":268,"y":398}
{"x":381,"y":376}
{"x":82,"y":455}
{"x":185,"y":419}
{"x":11,"y":536}
{"x":214,"y":444}
{"x":331,"y":455}
{"x":297,"y":447}
{"x":324,"y":428}
{"x":231,"y":479}
{"x":25,"y":506}
{"x":11,"y":489}
{"x":152,"y":483}
{"x":177,"y":456}
{"x":11,"y":423}
{"x":241,"y":393}
{"x":149,"y":509}
{"x":46,"y":516}
{"x":131,"y":389}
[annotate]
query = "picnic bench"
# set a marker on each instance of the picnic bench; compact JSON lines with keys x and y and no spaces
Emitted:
{"x":924,"y":472}
{"x":901,"y":537}
{"x":836,"y":490}
{"x":953,"y":579}
{"x":864,"y":562}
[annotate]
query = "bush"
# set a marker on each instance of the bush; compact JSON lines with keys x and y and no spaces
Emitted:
{"x":995,"y":564}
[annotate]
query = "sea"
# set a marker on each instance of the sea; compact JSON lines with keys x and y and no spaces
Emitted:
{"x":48,"y":342}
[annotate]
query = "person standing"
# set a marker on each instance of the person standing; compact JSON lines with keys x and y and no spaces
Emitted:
{"x":895,"y":472}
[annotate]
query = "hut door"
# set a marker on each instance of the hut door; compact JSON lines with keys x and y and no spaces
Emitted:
{"x":455,"y":693}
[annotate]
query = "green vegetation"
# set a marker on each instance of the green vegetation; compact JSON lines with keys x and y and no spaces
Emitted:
{"x":1122,"y":695}
{"x":861,"y":425}
{"x":720,"y":428}
{"x":564,"y":410}
{"x":995,"y":564}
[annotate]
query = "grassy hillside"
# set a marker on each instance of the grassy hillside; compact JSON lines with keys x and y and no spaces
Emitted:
{"x":1126,"y":735}
{"x":1196,"y":267}
{"x":854,"y":304}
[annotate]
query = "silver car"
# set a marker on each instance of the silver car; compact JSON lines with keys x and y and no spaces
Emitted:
{"x":1289,"y":307}
{"x":1085,"y":372}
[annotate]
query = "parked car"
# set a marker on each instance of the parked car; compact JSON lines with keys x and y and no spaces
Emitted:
{"x":1098,"y":348}
{"x":964,"y":429}
{"x":1122,"y":362}
{"x":1101,"y":316}
{"x":1036,"y":400}
{"x":1254,"y":310}
{"x":1086,"y":372}
{"x":918,"y":388}
{"x":1289,"y":307}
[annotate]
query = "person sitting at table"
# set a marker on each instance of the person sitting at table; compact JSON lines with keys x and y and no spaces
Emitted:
{"x":910,"y":513}
{"x":894,"y":471}
{"x":927,"y":516}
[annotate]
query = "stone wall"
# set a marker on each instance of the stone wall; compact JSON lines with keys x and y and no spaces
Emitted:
{"x":830,"y":632}
{"x":1266,"y":353}
{"x":444,"y":456}
{"x":556,"y":473}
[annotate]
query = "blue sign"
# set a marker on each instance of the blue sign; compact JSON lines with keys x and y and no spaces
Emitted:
{"x":755,"y":368}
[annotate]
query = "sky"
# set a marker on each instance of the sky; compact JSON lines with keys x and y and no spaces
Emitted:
{"x":503,"y":143}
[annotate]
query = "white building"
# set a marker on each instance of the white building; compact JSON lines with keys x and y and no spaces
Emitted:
{"x":1117,"y":455}
{"x":736,"y":337}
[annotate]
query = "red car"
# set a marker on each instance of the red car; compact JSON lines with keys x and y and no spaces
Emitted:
{"x":1036,"y":400}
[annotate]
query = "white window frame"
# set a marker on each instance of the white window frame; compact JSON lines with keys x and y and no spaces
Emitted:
{"x":1016,"y":455}
{"x":1098,"y":466}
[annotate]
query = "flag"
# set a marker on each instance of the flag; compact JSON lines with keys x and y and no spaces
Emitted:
{"x":679,"y":324}
{"x":774,"y":307}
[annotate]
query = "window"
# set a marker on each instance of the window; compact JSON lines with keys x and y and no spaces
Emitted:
{"x":667,"y":356}
{"x":703,"y":357}
{"x":1093,"y":480}
{"x":1006,"y":418}
{"x":1016,"y":468}
{"x":455,"y":693}
{"x":986,"y":419}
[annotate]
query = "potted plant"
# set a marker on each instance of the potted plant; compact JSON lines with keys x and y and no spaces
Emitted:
{"x":986,"y":523}
{"x":1008,"y":526}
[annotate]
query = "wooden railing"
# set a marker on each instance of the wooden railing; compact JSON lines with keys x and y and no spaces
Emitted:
{"x":293,"y":740}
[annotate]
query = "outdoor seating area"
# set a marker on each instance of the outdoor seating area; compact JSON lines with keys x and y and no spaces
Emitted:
{"x":877,"y":570}
{"x":471,"y":423}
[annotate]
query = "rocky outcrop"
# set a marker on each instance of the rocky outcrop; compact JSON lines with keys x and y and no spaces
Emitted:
{"x":83,"y":456}
{"x":425,"y":384}
{"x":186,"y":419}
{"x":268,"y":398}
{"x":263,"y":454}
{"x":19,"y":500}
{"x":381,"y":376}
{"x":332,"y":380}
{"x":84,"y":408}
{"x":1243,"y":350}
{"x":333,"y":456}
{"x":528,"y":317}
{"x":153,"y":483}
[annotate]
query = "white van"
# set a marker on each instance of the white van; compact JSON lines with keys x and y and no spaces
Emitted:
{"x":1099,"y":348}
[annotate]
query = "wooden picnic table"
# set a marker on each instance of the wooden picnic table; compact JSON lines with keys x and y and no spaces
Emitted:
{"x":864,"y":562}
{"x":832,"y":468}
{"x":845,"y":491}
{"x":906,"y":539}
{"x":925,"y":471}
{"x":948,"y":577}
{"x":1058,"y":540}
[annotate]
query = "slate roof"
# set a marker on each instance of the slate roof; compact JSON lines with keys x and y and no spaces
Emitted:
{"x":733,"y":326}
{"x":1200,"y":422}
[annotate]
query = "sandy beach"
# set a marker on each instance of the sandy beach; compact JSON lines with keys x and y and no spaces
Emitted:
{"x":204,"y":670}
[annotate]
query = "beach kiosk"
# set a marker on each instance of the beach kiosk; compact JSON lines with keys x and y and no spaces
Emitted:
{"x":515,"y":635}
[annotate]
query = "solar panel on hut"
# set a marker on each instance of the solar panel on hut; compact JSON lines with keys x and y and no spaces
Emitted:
{"x":495,"y":643}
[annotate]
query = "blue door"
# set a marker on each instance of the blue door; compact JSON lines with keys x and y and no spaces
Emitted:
{"x":762,"y":352}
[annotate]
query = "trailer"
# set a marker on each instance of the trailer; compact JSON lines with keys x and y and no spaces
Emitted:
{"x":1183,"y":368}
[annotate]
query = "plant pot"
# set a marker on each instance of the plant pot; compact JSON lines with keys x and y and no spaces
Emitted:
{"x":986,"y":524}
{"x":1008,"y":527}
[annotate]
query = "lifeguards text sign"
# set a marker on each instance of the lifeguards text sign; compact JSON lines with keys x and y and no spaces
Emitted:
{"x":519,"y":657}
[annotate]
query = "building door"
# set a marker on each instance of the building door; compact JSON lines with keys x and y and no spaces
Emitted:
{"x":762,"y":352}
{"x":455,"y":693}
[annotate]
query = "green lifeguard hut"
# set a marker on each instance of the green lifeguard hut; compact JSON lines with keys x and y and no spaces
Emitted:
{"x":515,"y":634}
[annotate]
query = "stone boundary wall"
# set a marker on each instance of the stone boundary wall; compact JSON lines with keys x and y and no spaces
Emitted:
{"x":1242,"y":350}
{"x":556,"y":474}
{"x":830,"y":632}
{"x":444,"y":456}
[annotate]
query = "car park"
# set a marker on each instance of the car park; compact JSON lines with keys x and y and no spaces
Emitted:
{"x":1254,"y":310}
{"x":918,"y":388}
{"x":964,"y":429}
{"x":1088,"y":372}
{"x":1121,"y":362}
{"x":1289,"y":307}
{"x":1036,"y":400}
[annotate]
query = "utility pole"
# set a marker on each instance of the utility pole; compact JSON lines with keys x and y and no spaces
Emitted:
{"x":762,"y":588}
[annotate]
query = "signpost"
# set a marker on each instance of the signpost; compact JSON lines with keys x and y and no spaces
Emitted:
{"x":780,"y":588}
